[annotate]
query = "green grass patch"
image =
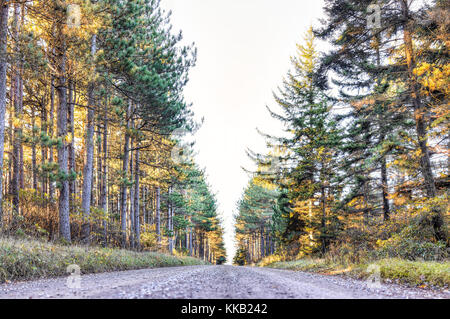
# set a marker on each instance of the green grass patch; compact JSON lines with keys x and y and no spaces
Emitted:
{"x":413,"y":273}
{"x":416,"y":273}
{"x":29,"y":259}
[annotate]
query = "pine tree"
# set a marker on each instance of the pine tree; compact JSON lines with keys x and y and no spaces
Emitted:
{"x":89,"y":142}
{"x":255,"y":216}
{"x":347,"y":29}
{"x":312,"y":140}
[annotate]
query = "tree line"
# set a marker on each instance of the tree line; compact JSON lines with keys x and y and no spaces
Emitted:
{"x":91,"y":104}
{"x":363,"y":165}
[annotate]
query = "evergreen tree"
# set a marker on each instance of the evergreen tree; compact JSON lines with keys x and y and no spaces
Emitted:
{"x":254,"y":222}
{"x":312,"y":140}
{"x":360,"y":50}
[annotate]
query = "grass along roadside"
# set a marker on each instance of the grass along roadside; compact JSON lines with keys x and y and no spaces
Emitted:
{"x":31,"y":259}
{"x":424,"y":274}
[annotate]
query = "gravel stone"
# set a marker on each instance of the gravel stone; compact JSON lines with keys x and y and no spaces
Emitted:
{"x":212,"y":282}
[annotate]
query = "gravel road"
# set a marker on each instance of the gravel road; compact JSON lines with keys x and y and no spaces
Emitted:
{"x":210,"y":282}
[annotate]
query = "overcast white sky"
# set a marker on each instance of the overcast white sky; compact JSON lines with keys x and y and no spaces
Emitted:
{"x":244,"y":48}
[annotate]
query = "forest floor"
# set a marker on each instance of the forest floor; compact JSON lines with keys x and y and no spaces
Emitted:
{"x":423,"y":274}
{"x":212,"y":282}
{"x":29,"y":259}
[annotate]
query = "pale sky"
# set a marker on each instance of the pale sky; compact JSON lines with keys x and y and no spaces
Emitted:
{"x":244,"y":49}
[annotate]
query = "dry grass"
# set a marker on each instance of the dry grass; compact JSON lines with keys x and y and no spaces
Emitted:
{"x":31,"y":259}
{"x":414,"y":273}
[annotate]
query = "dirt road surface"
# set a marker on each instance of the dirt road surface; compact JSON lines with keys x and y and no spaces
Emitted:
{"x":210,"y":282}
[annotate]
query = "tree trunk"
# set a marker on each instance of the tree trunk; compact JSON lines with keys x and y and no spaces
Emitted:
{"x":18,"y":110}
{"x":125,"y":164}
{"x":137,"y":224}
{"x":190,"y":241}
{"x":132,"y":217}
{"x":419,"y":109}
{"x":21,"y":63}
{"x":51,"y":186}
{"x":384,"y":185}
{"x":63,"y":205}
{"x":104,"y":190}
{"x":158,"y":214}
{"x":44,"y":131}
{"x":170,"y":222}
{"x":144,"y":206}
{"x":262,"y":243}
{"x":3,"y":68}
{"x":252,"y":253}
{"x":421,"y":126}
{"x":8,"y":187}
{"x":72,"y":168}
{"x":33,"y":151}
{"x":98,"y":171}
{"x":323,"y":223}
{"x":201,"y":247}
{"x":89,"y":164}
{"x":384,"y":178}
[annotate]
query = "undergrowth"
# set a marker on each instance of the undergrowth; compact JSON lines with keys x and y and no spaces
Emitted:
{"x":23,"y":259}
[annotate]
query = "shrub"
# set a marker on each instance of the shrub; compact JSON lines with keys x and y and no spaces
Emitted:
{"x":149,"y":238}
{"x":240,"y":257}
{"x":412,"y":249}
{"x":221,"y":260}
